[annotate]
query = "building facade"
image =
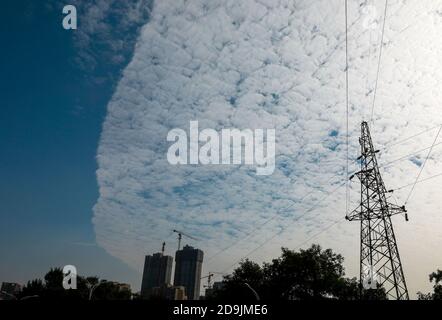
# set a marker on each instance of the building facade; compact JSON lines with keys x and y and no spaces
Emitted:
{"x":217,"y":285}
{"x":170,"y":293}
{"x":157,"y":273}
{"x":9,"y":290}
{"x":188,"y":268}
{"x":11,"y":287}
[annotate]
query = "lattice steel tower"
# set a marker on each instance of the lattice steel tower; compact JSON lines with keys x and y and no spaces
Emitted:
{"x":379,"y":253}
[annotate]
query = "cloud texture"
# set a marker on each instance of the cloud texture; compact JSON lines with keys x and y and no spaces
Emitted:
{"x":269,"y":64}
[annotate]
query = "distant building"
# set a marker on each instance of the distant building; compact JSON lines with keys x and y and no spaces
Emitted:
{"x":157,"y":273}
{"x":188,"y":267}
{"x":11,"y":288}
{"x":170,"y":292}
{"x":121,"y":286}
{"x":179,"y":293}
{"x":217,"y":285}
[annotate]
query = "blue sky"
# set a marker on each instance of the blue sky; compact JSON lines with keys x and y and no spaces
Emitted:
{"x":50,"y":121}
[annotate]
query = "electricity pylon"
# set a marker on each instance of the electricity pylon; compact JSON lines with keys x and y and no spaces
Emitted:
{"x":380,"y":264}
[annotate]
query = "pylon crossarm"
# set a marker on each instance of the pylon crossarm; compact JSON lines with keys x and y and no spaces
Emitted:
{"x":395,"y":209}
{"x":362,"y":174}
{"x":355,"y":215}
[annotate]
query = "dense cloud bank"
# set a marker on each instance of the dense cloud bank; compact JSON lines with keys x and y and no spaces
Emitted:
{"x":264,"y":64}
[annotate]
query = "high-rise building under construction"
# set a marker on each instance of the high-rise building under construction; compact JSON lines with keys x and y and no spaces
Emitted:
{"x":157,"y":273}
{"x":188,"y":267}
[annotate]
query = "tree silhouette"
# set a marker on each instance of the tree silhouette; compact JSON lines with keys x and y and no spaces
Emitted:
{"x":308,"y":274}
{"x":32,"y":288}
{"x":311,"y":274}
{"x":235,"y":285}
{"x":52,"y":288}
{"x":437,"y":287}
{"x":437,"y":278}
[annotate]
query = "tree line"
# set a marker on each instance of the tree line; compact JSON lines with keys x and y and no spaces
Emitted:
{"x":88,"y":288}
{"x":310,"y":274}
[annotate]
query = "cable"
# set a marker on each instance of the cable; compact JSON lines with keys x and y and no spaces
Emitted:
{"x":251,"y":232}
{"x":347,"y":105}
{"x":408,"y":155}
{"x":423,"y":165}
{"x":272,"y":217}
{"x":420,"y":181}
{"x":316,"y":204}
{"x":338,"y":45}
{"x":288,"y":207}
{"x":367,"y":82}
{"x":379,"y":61}
{"x":319,"y":233}
{"x":285,"y":228}
{"x":389,"y":145}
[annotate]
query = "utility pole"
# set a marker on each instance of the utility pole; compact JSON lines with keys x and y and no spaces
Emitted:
{"x":380,"y":263}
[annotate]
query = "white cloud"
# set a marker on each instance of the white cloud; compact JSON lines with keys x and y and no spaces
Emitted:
{"x":268,"y":64}
{"x":107,"y":33}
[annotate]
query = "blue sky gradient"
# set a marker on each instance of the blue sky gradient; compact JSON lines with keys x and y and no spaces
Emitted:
{"x":50,"y":121}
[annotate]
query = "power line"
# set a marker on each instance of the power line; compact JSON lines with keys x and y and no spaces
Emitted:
{"x":276,"y":214}
{"x":408,"y":155}
{"x":420,"y":181}
{"x":341,"y":42}
{"x":347,"y":106}
{"x":316,"y":204}
{"x":336,"y":47}
{"x":389,"y":145}
{"x":252,"y":231}
{"x":423,"y":165}
{"x":272,"y":217}
{"x":319,"y":233}
{"x":379,"y":61}
{"x":367,"y":82}
{"x":285,"y":228}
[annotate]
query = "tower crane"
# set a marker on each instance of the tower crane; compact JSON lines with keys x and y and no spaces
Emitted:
{"x":209,"y":278}
{"x":180,"y":235}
